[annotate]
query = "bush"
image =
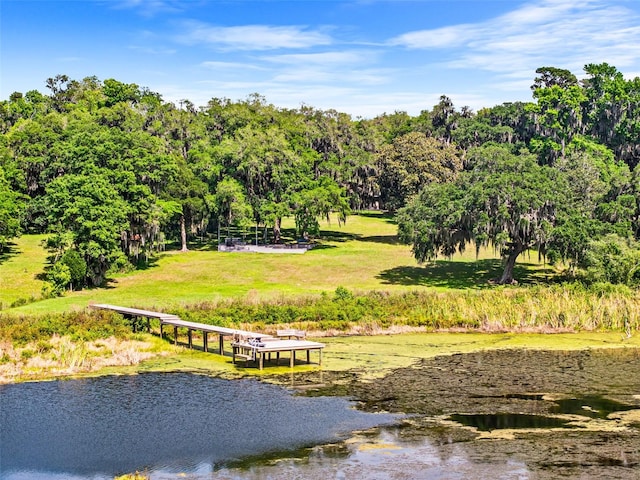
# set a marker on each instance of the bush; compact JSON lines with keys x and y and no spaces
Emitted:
{"x":119,"y":263}
{"x":26,"y":354}
{"x":59,"y":276}
{"x":82,"y":326}
{"x":342,"y":294}
{"x":77,"y":267}
{"x":613,"y":260}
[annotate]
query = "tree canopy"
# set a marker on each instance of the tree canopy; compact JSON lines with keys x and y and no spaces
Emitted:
{"x":120,"y":172}
{"x":504,"y":200}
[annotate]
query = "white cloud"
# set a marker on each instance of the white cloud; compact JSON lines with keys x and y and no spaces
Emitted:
{"x":339,"y":67}
{"x":150,"y":8}
{"x":153,"y":50}
{"x":216,"y":65}
{"x":338,"y":77}
{"x":454,"y":36}
{"x":357,"y":100}
{"x":562,"y":33}
{"x":542,"y":12}
{"x":475,"y":64}
{"x":323,"y":58}
{"x":253,"y":37}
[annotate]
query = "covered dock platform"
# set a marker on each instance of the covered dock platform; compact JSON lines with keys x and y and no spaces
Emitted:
{"x":246,"y":344}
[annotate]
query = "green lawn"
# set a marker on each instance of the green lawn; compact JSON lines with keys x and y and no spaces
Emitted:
{"x":20,"y":268}
{"x":362,"y":255}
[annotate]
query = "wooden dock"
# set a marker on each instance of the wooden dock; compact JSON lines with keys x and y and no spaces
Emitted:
{"x":241,"y":338}
{"x":137,"y":314}
{"x":248,"y":351}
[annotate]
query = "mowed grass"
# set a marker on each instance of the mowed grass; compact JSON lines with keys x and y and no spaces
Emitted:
{"x":361,"y":255}
{"x":21,"y":267}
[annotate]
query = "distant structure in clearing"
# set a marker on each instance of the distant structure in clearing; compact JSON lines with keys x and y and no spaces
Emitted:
{"x":238,"y":245}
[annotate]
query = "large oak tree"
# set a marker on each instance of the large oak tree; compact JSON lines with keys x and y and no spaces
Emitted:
{"x":507,"y":201}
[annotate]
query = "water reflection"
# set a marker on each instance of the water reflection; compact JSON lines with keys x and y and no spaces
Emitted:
{"x":384,"y":455}
{"x":593,"y":406}
{"x":495,"y":421}
{"x":171,"y":423}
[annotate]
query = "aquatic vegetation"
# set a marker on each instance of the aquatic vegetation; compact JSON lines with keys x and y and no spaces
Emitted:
{"x":133,"y":476}
{"x":564,"y":307}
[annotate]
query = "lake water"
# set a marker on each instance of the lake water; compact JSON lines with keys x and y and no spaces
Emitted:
{"x":160,"y":424}
{"x":508,"y":414}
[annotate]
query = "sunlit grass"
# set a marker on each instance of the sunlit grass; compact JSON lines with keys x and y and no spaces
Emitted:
{"x":361,"y":255}
{"x":20,"y":268}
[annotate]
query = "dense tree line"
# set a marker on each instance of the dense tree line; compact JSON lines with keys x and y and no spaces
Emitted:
{"x":112,"y":172}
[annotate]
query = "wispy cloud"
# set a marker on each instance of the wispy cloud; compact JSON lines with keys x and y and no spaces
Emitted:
{"x":444,"y":37}
{"x":345,"y":63}
{"x":253,"y":37}
{"x":328,"y":77}
{"x":150,"y":8}
{"x":337,"y":67}
{"x":344,"y":57}
{"x":562,"y":33}
{"x":216,"y":65}
{"x":153,"y":50}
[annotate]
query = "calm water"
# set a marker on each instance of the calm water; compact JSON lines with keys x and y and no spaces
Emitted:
{"x":159,"y":423}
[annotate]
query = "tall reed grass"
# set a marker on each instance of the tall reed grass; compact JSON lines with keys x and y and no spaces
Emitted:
{"x":570,"y":306}
{"x":562,"y":307}
{"x":79,"y":326}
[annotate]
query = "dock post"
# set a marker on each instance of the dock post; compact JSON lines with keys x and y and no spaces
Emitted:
{"x":161,"y":332}
{"x":221,"y":343}
{"x":190,"y":334}
{"x":205,"y":341}
{"x":292,"y":360}
{"x":175,"y":335}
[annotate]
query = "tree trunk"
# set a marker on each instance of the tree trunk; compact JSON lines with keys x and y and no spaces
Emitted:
{"x":97,"y":271}
{"x":183,"y":234}
{"x":276,"y":230}
{"x":507,"y":274}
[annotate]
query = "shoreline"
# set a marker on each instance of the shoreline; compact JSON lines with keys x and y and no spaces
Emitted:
{"x":432,"y":377}
{"x":371,"y":355}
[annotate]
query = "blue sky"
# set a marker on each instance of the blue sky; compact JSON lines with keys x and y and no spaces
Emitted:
{"x":363,"y":57}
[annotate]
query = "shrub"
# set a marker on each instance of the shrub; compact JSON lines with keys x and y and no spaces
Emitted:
{"x":342,"y":294}
{"x":26,"y":354}
{"x":77,"y":267}
{"x":82,"y":326}
{"x":59,"y":276}
{"x":614,"y":260}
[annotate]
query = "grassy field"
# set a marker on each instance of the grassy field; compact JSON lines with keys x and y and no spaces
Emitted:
{"x":361,"y":255}
{"x":20,"y":269}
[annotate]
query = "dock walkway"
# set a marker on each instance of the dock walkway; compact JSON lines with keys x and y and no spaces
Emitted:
{"x":241,"y":338}
{"x":249,"y":351}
